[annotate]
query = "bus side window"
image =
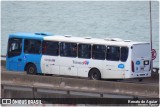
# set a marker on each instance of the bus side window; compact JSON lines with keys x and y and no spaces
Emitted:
{"x":32,"y":46}
{"x":50,"y":48}
{"x":124,"y":53}
{"x":113,"y":53}
{"x":98,"y":52}
{"x":68,"y":49}
{"x":84,"y":51}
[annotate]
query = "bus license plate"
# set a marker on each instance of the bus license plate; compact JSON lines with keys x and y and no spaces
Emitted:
{"x":142,"y":69}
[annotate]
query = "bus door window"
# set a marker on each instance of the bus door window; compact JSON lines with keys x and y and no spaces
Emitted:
{"x":32,"y":46}
{"x":14,"y":47}
{"x":113,"y":53}
{"x":124,"y":53}
{"x":98,"y":52}
{"x":84,"y":51}
{"x":68,"y":49}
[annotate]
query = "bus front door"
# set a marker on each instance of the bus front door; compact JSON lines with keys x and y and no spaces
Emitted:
{"x":14,"y":60}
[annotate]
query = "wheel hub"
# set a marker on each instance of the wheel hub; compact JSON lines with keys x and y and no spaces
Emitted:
{"x":31,"y":69}
{"x":94,"y":76}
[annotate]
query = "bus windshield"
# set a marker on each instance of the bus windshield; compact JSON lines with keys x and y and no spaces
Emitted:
{"x":14,"y":47}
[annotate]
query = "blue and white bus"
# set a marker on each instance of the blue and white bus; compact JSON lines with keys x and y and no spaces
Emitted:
{"x":109,"y":58}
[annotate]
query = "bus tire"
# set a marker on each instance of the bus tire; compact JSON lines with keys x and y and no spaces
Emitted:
{"x":94,"y":74}
{"x":31,"y":69}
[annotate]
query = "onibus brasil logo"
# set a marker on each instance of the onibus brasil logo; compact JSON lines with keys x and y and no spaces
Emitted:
{"x":81,"y":62}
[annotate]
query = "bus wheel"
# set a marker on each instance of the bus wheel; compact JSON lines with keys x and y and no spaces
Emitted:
{"x":94,"y":74}
{"x":31,"y":69}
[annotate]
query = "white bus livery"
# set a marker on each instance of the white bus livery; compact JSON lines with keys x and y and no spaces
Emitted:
{"x":78,"y":56}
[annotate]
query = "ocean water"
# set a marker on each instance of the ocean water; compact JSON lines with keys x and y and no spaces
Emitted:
{"x":101,"y":19}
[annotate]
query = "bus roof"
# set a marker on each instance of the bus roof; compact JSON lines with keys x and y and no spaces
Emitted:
{"x":111,"y":41}
{"x":30,"y":35}
{"x":68,"y":38}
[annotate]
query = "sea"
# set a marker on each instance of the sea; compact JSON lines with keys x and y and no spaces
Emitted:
{"x":128,"y":20}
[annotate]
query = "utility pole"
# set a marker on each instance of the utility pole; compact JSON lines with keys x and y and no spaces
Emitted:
{"x":150,"y":6}
{"x":150,"y":11}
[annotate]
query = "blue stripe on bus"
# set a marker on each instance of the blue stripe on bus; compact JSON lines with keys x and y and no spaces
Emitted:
{"x":26,"y":58}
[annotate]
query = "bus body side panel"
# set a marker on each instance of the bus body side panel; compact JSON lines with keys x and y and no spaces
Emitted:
{"x":64,"y":66}
{"x":58,"y":65}
{"x":79,"y":66}
{"x":69,"y":65}
{"x":95,"y":63}
{"x":114,"y":70}
{"x":15,"y":64}
{"x":18,"y":63}
{"x":35,"y":59}
{"x":50,"y":64}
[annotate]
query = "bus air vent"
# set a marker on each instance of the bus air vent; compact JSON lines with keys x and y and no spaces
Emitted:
{"x":67,"y":35}
{"x":87,"y":37}
{"x":44,"y":34}
{"x":116,"y":39}
{"x":127,"y":40}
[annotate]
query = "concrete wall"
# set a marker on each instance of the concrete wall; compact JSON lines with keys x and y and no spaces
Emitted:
{"x":80,"y":85}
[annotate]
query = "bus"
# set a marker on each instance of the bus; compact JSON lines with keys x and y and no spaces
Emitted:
{"x":94,"y":58}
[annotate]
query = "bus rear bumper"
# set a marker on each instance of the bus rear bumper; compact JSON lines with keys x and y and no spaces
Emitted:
{"x":142,"y":74}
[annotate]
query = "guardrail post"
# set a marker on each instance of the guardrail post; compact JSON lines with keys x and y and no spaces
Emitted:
{"x":68,"y":92}
{"x":101,"y":95}
{"x":34,"y":92}
{"x":2,"y":91}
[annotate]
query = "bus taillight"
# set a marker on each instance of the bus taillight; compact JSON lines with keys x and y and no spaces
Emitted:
{"x":132,"y":66}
